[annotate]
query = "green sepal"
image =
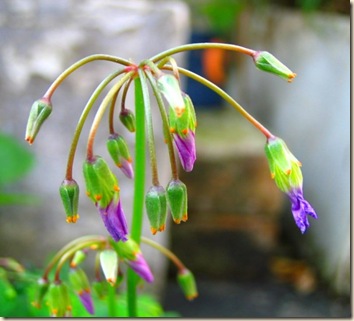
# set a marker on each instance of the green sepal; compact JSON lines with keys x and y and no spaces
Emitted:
{"x":127,"y":250}
{"x":177,"y":200}
{"x":78,"y":279}
{"x":118,"y":149}
{"x":41,"y":290}
{"x":58,"y":299}
{"x":156,"y":208}
{"x":187,"y":283}
{"x":127,"y":118}
{"x":78,"y":258}
{"x":69,"y":193}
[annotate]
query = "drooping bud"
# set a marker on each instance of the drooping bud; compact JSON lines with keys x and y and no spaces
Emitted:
{"x":187,"y":283}
{"x":40,"y":111}
{"x":69,"y":193}
{"x":127,"y":118}
{"x":130,"y":252}
{"x":267,"y":62}
{"x":177,"y":200}
{"x":109,"y":264}
{"x":119,"y":151}
{"x":100,"y":288}
{"x":156,"y":208}
{"x":81,"y":286}
{"x":41,"y":290}
{"x":58,"y":300}
{"x":78,"y":258}
{"x":7,"y":289}
{"x":169,"y":87}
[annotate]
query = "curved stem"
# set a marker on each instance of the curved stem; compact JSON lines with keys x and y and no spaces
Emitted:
{"x":165,"y":125}
{"x":79,"y":64}
{"x":111,"y":113}
{"x":205,"y":45}
{"x":101,"y":110}
{"x":227,"y":98}
{"x":180,"y":266}
{"x":83,"y":118}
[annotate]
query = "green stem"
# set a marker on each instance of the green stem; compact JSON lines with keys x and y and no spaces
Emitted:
{"x":112,"y":301}
{"x":79,"y":64}
{"x":83,"y":118}
{"x":227,"y":98}
{"x":198,"y":46}
{"x":139,"y":187}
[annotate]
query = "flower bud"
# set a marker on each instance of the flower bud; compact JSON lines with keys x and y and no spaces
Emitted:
{"x":156,"y":208}
{"x":40,"y":111}
{"x":100,"y":288}
{"x":187,"y":283}
{"x":81,"y":286}
{"x":177,"y":200}
{"x":169,"y":87}
{"x":127,"y":118}
{"x":109,"y":265}
{"x":7,"y":288}
{"x":41,"y":290}
{"x":69,"y":193}
{"x":78,"y":258}
{"x":267,"y":62}
{"x":118,"y":149}
{"x":58,"y":300}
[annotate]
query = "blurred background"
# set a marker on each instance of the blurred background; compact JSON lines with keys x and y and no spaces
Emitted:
{"x":240,"y":241}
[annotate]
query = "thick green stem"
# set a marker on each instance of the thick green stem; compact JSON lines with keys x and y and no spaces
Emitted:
{"x":139,"y":188}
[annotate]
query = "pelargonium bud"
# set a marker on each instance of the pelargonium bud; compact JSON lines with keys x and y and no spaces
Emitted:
{"x":69,"y":193}
{"x":127,"y":118}
{"x":58,"y":300}
{"x":40,"y":111}
{"x":177,"y":200}
{"x":109,"y":264}
{"x":119,"y":151}
{"x":81,"y":286}
{"x":285,"y":170}
{"x":267,"y":62}
{"x":187,"y":283}
{"x":169,"y":87}
{"x":156,"y":208}
{"x":41,"y":290}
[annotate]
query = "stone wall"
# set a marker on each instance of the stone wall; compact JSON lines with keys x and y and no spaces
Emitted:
{"x":39,"y":39}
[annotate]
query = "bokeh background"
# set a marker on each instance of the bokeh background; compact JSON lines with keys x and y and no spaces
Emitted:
{"x":240,"y":241}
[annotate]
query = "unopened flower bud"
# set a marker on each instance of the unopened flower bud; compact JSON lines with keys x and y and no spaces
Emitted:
{"x":127,"y":118}
{"x":58,"y":300}
{"x":267,"y":62}
{"x":7,"y":288}
{"x":177,"y":200}
{"x":156,"y":208}
{"x":187,"y":283}
{"x":109,"y":265}
{"x":169,"y":87}
{"x":41,"y":290}
{"x":69,"y":193}
{"x":40,"y":111}
{"x":100,"y":288}
{"x":78,"y":258}
{"x":119,"y":151}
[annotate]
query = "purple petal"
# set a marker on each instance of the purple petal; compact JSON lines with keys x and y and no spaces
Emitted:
{"x":301,"y":208}
{"x":140,"y":266}
{"x":127,"y":168}
{"x":114,"y":219}
{"x":186,"y":150}
{"x":86,"y":300}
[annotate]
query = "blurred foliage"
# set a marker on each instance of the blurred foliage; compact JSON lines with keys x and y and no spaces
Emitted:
{"x":15,"y":162}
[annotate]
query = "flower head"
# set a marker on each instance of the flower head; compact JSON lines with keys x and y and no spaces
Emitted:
{"x":285,"y":170}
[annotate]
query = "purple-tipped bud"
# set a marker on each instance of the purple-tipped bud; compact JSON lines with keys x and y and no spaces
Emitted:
{"x":267,"y":62}
{"x":130,"y":252}
{"x":127,"y":118}
{"x":156,"y":208}
{"x":41,"y":290}
{"x":109,"y":265}
{"x":177,"y":200}
{"x":81,"y":286}
{"x":69,"y":193}
{"x":118,"y":149}
{"x":187,"y":283}
{"x":40,"y":111}
{"x":58,"y":300}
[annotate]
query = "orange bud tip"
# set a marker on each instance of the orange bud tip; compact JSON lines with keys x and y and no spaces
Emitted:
{"x":177,"y":221}
{"x":162,"y":228}
{"x":98,"y":197}
{"x":29,"y":140}
{"x":153,"y":230}
{"x":185,"y":131}
{"x":291,"y":77}
{"x":185,"y":217}
{"x":111,"y":281}
{"x":73,"y":265}
{"x":172,"y":130}
{"x":192,"y":297}
{"x":116,"y":188}
{"x":272,"y":175}
{"x":288,"y":171}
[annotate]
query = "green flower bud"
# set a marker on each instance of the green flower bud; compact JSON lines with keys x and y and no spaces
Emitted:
{"x":177,"y":200}
{"x":100,"y":288}
{"x":78,"y":280}
{"x":69,"y":193}
{"x":127,"y":118}
{"x":127,"y":250}
{"x":42,"y":289}
{"x":40,"y":111}
{"x":58,"y":300}
{"x":119,"y":151}
{"x":187,"y":283}
{"x":109,"y":264}
{"x":267,"y":62}
{"x":156,"y":208}
{"x":78,"y":258}
{"x":169,"y":87}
